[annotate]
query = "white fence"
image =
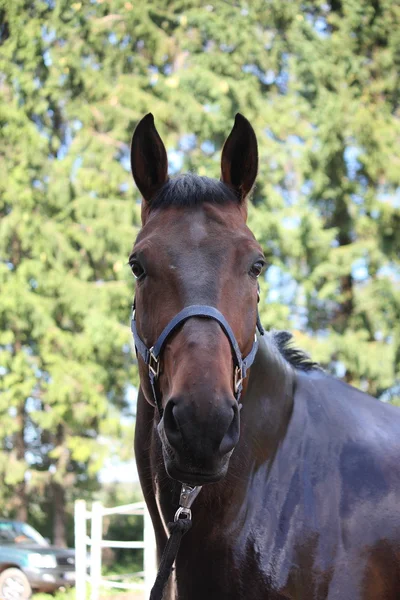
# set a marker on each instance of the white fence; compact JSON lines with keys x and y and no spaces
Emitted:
{"x":88,"y":564}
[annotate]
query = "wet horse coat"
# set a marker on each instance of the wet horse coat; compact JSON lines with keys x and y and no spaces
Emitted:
{"x":305,"y":503}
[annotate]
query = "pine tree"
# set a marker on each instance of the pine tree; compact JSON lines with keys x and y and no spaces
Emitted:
{"x":67,"y":223}
{"x":319,"y":82}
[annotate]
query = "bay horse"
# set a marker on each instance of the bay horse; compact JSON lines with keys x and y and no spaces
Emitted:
{"x":300,"y":471}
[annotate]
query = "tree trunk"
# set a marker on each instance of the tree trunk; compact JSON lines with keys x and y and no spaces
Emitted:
{"x":59,"y":516}
{"x":58,"y":494}
{"x":20,"y":490}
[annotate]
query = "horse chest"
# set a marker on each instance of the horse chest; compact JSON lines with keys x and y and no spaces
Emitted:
{"x":223,"y":574}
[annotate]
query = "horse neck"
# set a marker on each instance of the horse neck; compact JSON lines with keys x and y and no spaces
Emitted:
{"x":268,"y":400}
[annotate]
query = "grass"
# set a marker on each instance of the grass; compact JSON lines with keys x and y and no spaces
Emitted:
{"x":69,"y":594}
{"x":119,"y":572}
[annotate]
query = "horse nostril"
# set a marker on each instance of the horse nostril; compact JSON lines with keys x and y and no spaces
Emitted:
{"x":171,"y":427}
{"x":231,"y":437}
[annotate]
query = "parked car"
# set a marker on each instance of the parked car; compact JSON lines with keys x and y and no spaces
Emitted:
{"x":28,"y":562}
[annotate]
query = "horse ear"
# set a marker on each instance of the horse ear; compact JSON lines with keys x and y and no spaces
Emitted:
{"x":149,"y":161}
{"x":239,"y":161}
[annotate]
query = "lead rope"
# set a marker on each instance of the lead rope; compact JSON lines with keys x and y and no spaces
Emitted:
{"x":181,"y":525}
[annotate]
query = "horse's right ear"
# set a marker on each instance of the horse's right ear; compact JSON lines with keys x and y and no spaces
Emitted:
{"x":149,"y":161}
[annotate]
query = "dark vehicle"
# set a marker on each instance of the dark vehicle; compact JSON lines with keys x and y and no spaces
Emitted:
{"x":28,"y":562}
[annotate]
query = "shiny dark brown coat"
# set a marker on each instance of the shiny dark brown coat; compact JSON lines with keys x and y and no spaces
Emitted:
{"x":307,"y":506}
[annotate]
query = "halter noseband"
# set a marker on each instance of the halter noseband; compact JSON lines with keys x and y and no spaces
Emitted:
{"x":151,"y":356}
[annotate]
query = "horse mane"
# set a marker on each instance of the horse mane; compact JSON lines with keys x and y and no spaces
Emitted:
{"x":190,"y":190}
{"x":298,"y":358}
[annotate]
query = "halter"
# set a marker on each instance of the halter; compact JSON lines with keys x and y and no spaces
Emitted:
{"x":151,"y":356}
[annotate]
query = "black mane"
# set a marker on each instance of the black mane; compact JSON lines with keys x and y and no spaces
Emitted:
{"x":296,"y":357}
{"x":190,"y":190}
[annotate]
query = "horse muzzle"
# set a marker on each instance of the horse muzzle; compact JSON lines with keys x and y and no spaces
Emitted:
{"x":197,"y":444}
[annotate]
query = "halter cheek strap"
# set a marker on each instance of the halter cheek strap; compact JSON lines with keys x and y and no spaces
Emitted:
{"x":151,"y":356}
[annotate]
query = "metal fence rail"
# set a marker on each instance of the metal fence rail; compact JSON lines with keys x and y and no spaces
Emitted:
{"x":95,"y":543}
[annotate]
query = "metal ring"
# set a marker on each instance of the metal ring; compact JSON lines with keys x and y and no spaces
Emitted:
{"x":183,"y":511}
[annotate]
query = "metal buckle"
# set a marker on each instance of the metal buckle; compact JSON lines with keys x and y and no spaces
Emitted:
{"x":189,"y":494}
{"x":238,"y":380}
{"x":154,"y":363}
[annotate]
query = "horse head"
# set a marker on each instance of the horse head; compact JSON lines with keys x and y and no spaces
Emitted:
{"x":194,"y":249}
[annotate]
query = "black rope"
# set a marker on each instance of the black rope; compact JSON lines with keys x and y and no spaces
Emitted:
{"x":177,"y":530}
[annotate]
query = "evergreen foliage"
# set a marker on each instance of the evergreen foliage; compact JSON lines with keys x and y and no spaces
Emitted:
{"x":318,"y":81}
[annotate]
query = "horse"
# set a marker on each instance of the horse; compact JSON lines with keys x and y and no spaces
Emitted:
{"x":300,"y":472}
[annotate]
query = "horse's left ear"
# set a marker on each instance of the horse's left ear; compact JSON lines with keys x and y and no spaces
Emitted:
{"x":239,"y":161}
{"x":149,"y":161}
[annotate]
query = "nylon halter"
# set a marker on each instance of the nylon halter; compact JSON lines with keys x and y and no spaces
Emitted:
{"x":151,"y":356}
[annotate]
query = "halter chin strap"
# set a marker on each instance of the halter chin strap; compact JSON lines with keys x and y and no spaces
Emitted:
{"x":151,"y":356}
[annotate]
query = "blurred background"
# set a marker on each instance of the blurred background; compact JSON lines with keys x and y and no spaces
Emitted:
{"x":319,"y":81}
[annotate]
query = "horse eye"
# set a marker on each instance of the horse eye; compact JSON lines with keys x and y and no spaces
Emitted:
{"x":137,"y":269}
{"x":256,"y":269}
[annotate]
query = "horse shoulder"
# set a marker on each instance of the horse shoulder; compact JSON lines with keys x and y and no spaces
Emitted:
{"x":357,"y":439}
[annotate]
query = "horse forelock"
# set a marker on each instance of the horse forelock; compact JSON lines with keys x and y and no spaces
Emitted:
{"x":190,"y":190}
